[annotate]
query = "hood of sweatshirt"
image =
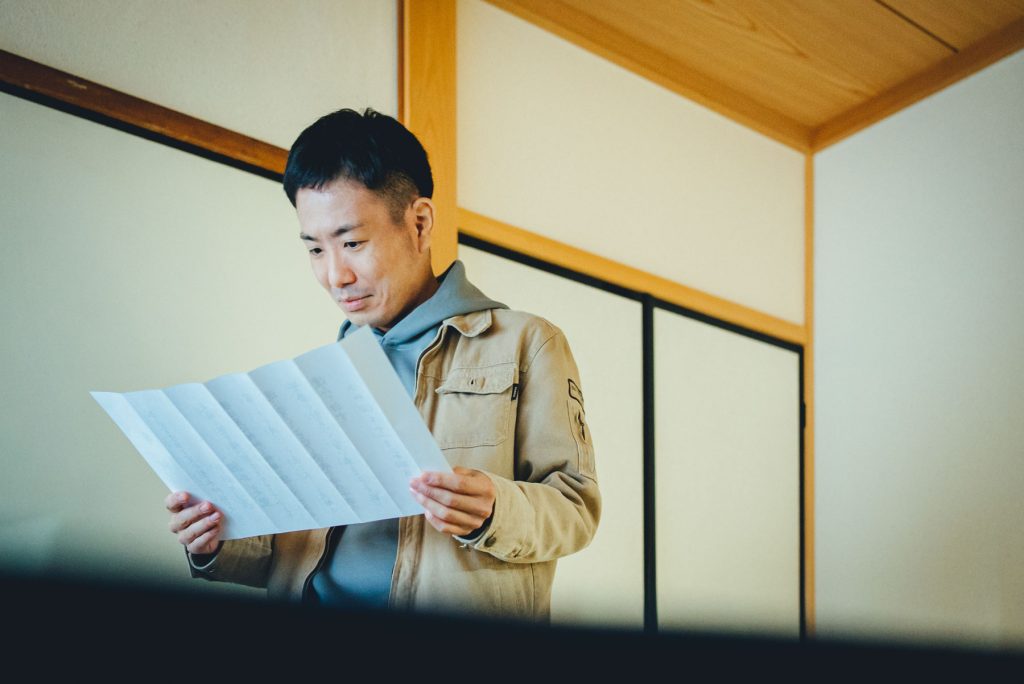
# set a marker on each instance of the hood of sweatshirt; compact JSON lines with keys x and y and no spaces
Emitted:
{"x":404,"y":342}
{"x":455,"y":296}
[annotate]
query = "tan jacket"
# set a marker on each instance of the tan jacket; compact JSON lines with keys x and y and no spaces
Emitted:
{"x":500,"y":392}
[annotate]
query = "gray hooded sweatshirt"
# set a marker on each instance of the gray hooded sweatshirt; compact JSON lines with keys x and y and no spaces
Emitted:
{"x":359,"y":563}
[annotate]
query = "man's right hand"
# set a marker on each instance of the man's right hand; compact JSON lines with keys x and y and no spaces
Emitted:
{"x":197,"y":523}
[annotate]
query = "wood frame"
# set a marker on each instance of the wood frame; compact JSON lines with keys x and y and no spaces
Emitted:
{"x":112,"y":107}
{"x":567,"y":256}
{"x":426,"y":84}
{"x":808,"y":386}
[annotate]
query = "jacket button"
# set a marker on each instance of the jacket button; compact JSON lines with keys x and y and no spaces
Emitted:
{"x":489,"y":542}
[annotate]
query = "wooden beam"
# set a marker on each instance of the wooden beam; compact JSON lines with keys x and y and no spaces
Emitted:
{"x":54,"y":87}
{"x":597,"y":37}
{"x":808,"y":464}
{"x":1002,"y":43}
{"x":427,"y":101}
{"x":532,"y":244}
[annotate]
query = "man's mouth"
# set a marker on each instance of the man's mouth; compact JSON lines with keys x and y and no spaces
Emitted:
{"x":354,"y":303}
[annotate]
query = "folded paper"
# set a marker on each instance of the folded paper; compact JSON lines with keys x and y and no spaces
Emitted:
{"x":327,"y":438}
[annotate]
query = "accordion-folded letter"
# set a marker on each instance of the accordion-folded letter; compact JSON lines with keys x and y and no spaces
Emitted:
{"x":327,"y":438}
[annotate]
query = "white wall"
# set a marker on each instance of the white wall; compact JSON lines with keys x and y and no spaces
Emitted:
{"x":559,"y":141}
{"x":919,"y":369}
{"x":263,"y":68}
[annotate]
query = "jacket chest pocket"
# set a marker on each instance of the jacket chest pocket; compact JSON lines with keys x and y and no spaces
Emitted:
{"x":474,"y":406}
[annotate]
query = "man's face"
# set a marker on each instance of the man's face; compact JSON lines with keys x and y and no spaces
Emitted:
{"x":375,"y":269}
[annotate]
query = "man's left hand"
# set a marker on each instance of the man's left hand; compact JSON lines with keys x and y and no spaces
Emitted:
{"x":455,"y":503}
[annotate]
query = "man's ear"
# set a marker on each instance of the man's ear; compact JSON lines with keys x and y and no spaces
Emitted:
{"x":423,"y":217}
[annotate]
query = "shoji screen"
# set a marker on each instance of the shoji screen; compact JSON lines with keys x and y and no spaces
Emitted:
{"x":602,"y":584}
{"x":727,"y":479}
{"x":125,"y":265}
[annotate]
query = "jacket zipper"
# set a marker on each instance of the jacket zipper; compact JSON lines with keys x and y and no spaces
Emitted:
{"x":416,"y":386}
{"x":430,"y":347}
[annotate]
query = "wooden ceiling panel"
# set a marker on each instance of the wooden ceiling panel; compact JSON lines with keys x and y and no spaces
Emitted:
{"x":807,"y":59}
{"x":796,"y":70}
{"x":959,"y":24}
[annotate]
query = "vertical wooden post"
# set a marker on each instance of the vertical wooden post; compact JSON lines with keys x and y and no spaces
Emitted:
{"x":427,"y":106}
{"x":809,"y":608}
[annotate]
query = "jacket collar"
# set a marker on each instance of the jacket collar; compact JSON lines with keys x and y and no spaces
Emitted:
{"x":471,"y":324}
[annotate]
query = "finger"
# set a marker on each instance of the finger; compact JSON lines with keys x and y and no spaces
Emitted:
{"x":208,"y":542}
{"x":175,"y":501}
{"x":449,"y":515}
{"x":467,"y":482}
{"x":438,"y":525}
{"x":446,"y":527}
{"x":474,"y":505}
{"x":198,"y":528}
{"x":449,"y":481}
{"x":191,"y":514}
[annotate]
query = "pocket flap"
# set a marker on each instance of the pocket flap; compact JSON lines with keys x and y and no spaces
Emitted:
{"x":488,"y":380}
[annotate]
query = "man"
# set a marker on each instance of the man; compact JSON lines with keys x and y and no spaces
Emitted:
{"x":499,"y":390}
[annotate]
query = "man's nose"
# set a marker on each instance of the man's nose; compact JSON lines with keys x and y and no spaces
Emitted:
{"x":339,"y":273}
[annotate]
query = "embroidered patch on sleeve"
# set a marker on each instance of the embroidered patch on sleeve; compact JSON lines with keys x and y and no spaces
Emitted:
{"x":580,"y":433}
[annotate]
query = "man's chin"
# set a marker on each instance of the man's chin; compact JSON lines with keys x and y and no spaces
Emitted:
{"x":357,"y":318}
{"x":361,"y":318}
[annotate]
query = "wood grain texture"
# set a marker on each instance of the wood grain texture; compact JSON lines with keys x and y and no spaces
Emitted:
{"x":428,"y":107}
{"x":990,"y":49}
{"x":959,"y":24}
{"x":808,"y":464}
{"x":567,"y":256}
{"x":58,"y":86}
{"x":799,"y":71}
{"x":807,"y":59}
{"x":584,"y":30}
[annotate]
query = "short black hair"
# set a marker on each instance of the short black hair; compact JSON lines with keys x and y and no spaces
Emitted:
{"x":370,"y":148}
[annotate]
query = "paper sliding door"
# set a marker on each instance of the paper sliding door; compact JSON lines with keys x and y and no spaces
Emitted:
{"x":727,"y":479}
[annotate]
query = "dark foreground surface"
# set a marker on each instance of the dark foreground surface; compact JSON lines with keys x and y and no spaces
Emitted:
{"x":80,"y":628}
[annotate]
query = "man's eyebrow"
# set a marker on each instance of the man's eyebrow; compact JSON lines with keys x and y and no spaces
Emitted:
{"x":337,"y":233}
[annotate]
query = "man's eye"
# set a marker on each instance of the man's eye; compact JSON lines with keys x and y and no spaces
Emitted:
{"x":352,"y":245}
{"x":315,"y":251}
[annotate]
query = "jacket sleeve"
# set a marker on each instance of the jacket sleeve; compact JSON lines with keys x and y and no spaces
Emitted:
{"x":553,"y":506}
{"x":242,"y":561}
